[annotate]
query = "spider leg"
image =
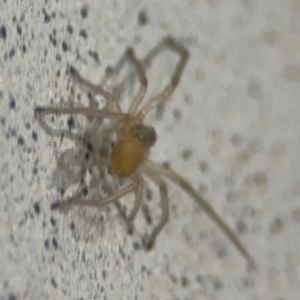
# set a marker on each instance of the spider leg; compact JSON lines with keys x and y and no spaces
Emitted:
{"x":165,"y":214}
{"x":137,"y":204}
{"x":77,"y":199}
{"x":168,"y":42}
{"x":90,"y":112}
{"x":64,"y":206}
{"x":42,"y":111}
{"x":96,"y":89}
{"x":164,"y":206}
{"x":93,"y":103}
{"x":143,"y":80}
{"x":129,"y":56}
{"x":62,"y":133}
{"x":55,"y":132}
{"x":154,"y":168}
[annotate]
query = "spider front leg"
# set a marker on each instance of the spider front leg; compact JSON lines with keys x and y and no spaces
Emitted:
{"x":143,"y":81}
{"x":129,"y":56}
{"x":89,"y":112}
{"x":170,"y":43}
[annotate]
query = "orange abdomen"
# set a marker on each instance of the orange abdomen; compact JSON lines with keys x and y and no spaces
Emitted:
{"x":126,"y":156}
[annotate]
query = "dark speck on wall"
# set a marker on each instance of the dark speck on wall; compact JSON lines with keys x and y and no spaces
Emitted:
{"x":54,"y":243}
{"x":12,"y":103}
{"x":62,"y":191}
{"x":58,"y":57}
{"x":46,"y":244}
{"x":13,"y":132}
{"x":94,"y":55}
{"x":71,"y":123}
{"x":12,"y":297}
{"x":34,"y":136}
{"x":65,"y":46}
{"x":53,"y":282}
{"x":83,"y":33}
{"x":143,"y":18}
{"x":47,"y":17}
{"x":70,"y":29}
{"x":3,"y":32}
{"x":20,"y":141}
{"x":12,"y":53}
{"x":52,"y":40}
{"x":84,"y":11}
{"x":53,"y":221}
{"x":19,"y":30}
{"x":36,"y":207}
{"x":104,"y":274}
{"x":22,"y":18}
{"x":72,"y":226}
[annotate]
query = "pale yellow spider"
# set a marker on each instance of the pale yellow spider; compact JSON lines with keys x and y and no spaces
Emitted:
{"x":129,"y":156}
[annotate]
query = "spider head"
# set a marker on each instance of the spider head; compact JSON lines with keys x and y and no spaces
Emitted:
{"x":146,"y":134}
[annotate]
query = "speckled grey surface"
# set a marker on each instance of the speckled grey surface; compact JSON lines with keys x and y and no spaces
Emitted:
{"x":231,"y":129}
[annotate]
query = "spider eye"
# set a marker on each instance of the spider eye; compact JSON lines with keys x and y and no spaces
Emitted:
{"x":126,"y":156}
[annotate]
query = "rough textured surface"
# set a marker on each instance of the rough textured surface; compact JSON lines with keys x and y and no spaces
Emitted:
{"x":231,"y":129}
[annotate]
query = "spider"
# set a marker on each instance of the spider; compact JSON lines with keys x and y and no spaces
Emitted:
{"x":129,"y":157}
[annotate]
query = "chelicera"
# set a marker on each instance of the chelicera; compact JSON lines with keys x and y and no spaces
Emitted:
{"x":129,"y":157}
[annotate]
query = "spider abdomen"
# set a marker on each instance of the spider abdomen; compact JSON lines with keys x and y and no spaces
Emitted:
{"x":126,"y":156}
